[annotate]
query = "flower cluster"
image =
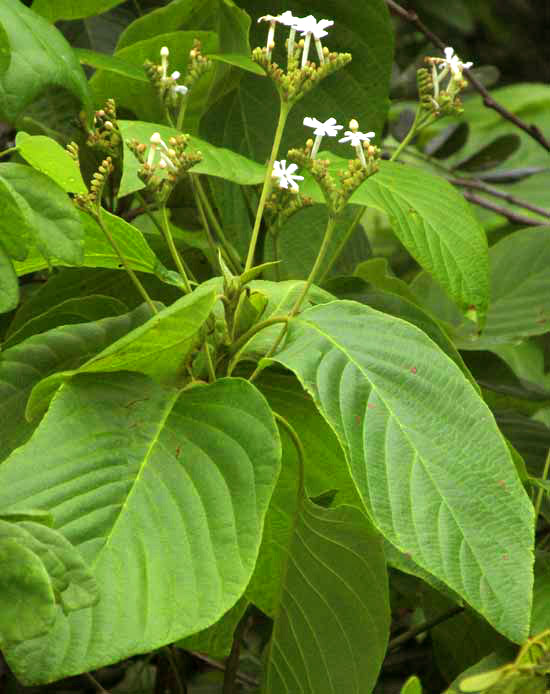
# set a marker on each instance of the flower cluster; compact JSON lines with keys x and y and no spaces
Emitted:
{"x":361,"y":142}
{"x":91,"y":202}
{"x":433,"y":96}
{"x":166,"y":85}
{"x":302,"y":74}
{"x":105,"y":135}
{"x":163,"y":164}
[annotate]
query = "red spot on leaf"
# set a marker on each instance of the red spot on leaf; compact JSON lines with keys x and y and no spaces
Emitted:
{"x":413,"y":369}
{"x":178,"y":451}
{"x":502,"y":483}
{"x":371,"y":406}
{"x":408,"y":555}
{"x":505,"y":557}
{"x":358,"y":419}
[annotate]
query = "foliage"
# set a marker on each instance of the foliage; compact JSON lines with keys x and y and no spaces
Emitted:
{"x":262,"y":398}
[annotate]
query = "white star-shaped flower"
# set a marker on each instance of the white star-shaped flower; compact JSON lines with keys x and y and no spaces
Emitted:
{"x":286,"y":174}
{"x":309,"y":25}
{"x":329,"y":127}
{"x":355,"y":137}
{"x":453,"y":63}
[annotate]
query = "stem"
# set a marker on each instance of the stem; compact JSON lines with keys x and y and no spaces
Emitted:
{"x":217,"y":665}
{"x":232,"y":663}
{"x":173,"y":250}
{"x":540,"y":494}
{"x":141,"y":289}
{"x":10,"y":150}
{"x":96,"y":684}
{"x":238,"y":346}
{"x":149,"y":213}
{"x":209,"y":364}
{"x":421,"y":628}
{"x":181,"y":112}
{"x":258,"y":370}
{"x":296,"y":441}
{"x":342,"y":243}
{"x":409,"y":136}
{"x":230,"y":251}
{"x":173,"y":665}
{"x":331,"y":224}
{"x":283,"y":115}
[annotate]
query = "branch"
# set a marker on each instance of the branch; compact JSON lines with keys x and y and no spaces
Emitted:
{"x":495,"y":192}
{"x":531,"y":129}
{"x":511,"y":216}
{"x":421,"y":628}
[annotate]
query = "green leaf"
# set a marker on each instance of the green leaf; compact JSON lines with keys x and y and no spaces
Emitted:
{"x":98,"y":252}
{"x":27,"y":602}
{"x":241,"y":61}
{"x":412,"y":686}
{"x":216,"y":161}
{"x":67,"y":347}
{"x":73,"y":585}
{"x":55,"y":223}
{"x":158,"y":348}
{"x":217,"y":640}
{"x":41,"y":59}
{"x":9,"y":284}
{"x":15,"y":221}
{"x":48,"y":157}
{"x":424,"y":451}
{"x":540,"y":618}
{"x":104,"y":61}
{"x":176,"y":486}
{"x":438,"y":228}
{"x":141,"y":98}
{"x":79,"y":310}
{"x":520,"y":288}
{"x":486,"y":665}
{"x":54,"y":10}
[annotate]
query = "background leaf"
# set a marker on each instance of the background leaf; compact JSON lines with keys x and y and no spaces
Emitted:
{"x":53,"y":10}
{"x":47,"y":156}
{"x":9,"y":284}
{"x":55,"y":222}
{"x":171,"y":509}
{"x":40,"y":59}
{"x":385,"y":388}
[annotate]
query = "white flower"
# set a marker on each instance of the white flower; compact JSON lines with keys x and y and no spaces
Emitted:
{"x":355,"y":137}
{"x":288,"y":19}
{"x":309,"y":25}
{"x":329,"y":127}
{"x":156,"y":142}
{"x":164,"y":53}
{"x":286,"y":174}
{"x":453,"y":63}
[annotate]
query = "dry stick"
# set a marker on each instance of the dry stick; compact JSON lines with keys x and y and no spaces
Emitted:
{"x":532,"y":130}
{"x":421,"y":628}
{"x":511,"y":216}
{"x":495,"y":192}
{"x":217,"y":665}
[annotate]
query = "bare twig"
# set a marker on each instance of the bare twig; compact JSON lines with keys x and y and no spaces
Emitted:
{"x":96,"y":684}
{"x":217,"y":665}
{"x":489,"y":102}
{"x":511,"y":216}
{"x":497,"y":193}
{"x":421,"y":628}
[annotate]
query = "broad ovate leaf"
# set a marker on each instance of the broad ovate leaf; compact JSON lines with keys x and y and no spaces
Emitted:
{"x":9,"y":284}
{"x":40,"y":59}
{"x":425,"y":453}
{"x":163,"y":492}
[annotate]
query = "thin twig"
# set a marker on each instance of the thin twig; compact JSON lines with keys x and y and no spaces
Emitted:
{"x":421,"y":628}
{"x":96,"y":684}
{"x":495,"y":192}
{"x":531,"y":129}
{"x":217,"y":665}
{"x":499,"y":209}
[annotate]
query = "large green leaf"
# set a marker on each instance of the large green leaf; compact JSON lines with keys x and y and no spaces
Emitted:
{"x":540,"y":619}
{"x":331,"y":592}
{"x":40,"y":59}
{"x":424,"y":451}
{"x":83,"y":309}
{"x":9,"y":284}
{"x":168,"y":493}
{"x":55,"y":222}
{"x":98,"y":251}
{"x":438,"y":228}
{"x":47,"y":156}
{"x":217,"y":640}
{"x":67,"y":347}
{"x":104,"y":61}
{"x":53,"y":10}
{"x":73,"y":585}
{"x":140,"y":98}
{"x":160,"y":348}
{"x":15,"y":221}
{"x":27,"y":604}
{"x":216,"y":161}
